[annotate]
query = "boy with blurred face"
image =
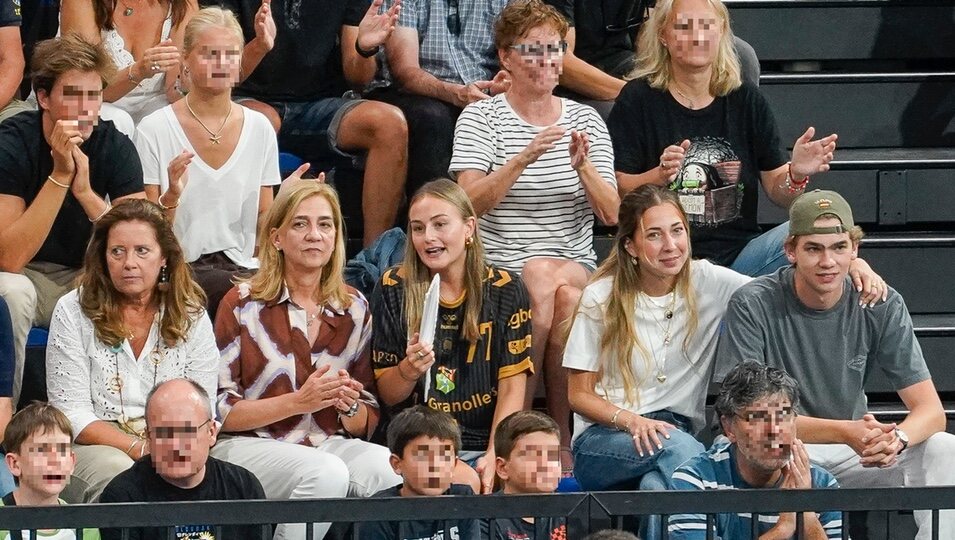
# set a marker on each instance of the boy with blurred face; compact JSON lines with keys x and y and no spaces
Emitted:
{"x":756,"y":407}
{"x":527,"y":446}
{"x":809,"y":320}
{"x":179,"y":468}
{"x":58,"y":168}
{"x":424,"y":445}
{"x":40,"y":455}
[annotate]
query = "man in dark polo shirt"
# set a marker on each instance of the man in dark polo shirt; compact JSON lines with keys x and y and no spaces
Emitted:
{"x":601,"y":49}
{"x":59,"y":169}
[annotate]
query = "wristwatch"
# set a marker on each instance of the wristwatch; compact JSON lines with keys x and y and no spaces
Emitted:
{"x":902,"y":437}
{"x":353,"y":410}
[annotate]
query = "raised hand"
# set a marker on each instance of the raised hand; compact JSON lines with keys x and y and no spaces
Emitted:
{"x":178,"y":172}
{"x":579,"y":149}
{"x":265,"y":25}
{"x":811,"y":157}
{"x":671,"y":160}
{"x":544,"y":141}
{"x":160,"y":58}
{"x":375,"y":28}
{"x":65,"y":136}
{"x":420,"y":356}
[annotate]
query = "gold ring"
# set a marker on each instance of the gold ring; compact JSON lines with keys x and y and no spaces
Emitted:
{"x":420,"y":355}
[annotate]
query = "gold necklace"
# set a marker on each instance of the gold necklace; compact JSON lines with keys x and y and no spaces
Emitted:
{"x":214,"y":136}
{"x":668,"y":315}
{"x":692,"y":104}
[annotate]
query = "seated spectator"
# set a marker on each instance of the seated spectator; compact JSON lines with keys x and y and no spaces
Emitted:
{"x":757,"y":410}
{"x":537,"y":168}
{"x":610,"y":534}
{"x":51,"y":189}
{"x":440,"y":59}
{"x":687,"y":122}
{"x":179,"y":468}
{"x":810,"y":320}
{"x":11,"y":60}
{"x":186,"y":164}
{"x":136,"y":320}
{"x":295,"y":382}
{"x":7,"y":362}
{"x":38,"y":441}
{"x":484,"y":314}
{"x":299,"y":88}
{"x":143,"y":40}
{"x":527,"y":445}
{"x":424,"y":443}
{"x":600,"y":49}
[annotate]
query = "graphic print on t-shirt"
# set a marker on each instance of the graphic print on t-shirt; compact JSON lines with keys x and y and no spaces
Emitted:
{"x":708,"y":182}
{"x":195,"y":532}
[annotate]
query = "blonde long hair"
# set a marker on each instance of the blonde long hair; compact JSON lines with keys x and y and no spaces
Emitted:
{"x":182,"y":299}
{"x":619,"y":340}
{"x":417,"y":277}
{"x":653,"y":59}
{"x":267,"y":283}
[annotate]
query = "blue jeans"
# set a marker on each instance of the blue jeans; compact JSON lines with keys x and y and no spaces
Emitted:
{"x":605,"y":460}
{"x":763,"y":254}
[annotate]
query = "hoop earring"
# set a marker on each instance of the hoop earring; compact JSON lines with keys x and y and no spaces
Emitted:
{"x":163,"y":283}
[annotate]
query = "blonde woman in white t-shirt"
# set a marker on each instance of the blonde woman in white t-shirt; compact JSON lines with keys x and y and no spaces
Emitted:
{"x":211,"y":163}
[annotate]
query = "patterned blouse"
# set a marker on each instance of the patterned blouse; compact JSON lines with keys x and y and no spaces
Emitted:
{"x":82,"y":370}
{"x":265,"y":353}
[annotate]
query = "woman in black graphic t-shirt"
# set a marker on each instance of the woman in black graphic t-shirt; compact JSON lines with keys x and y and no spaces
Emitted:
{"x":477,"y":367}
{"x":686,"y":121}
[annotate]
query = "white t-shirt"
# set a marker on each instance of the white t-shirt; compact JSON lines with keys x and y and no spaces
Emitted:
{"x":219,"y":208}
{"x":546,"y":212}
{"x":687,"y":372}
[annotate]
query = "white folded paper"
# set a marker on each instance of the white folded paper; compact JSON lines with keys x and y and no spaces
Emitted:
{"x":429,"y":322}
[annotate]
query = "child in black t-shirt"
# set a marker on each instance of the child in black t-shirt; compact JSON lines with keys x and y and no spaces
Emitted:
{"x":527,"y":446}
{"x":424,"y":443}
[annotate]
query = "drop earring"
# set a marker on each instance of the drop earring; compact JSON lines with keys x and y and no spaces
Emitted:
{"x":163,"y":283}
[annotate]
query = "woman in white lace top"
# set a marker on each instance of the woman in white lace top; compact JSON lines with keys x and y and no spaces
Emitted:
{"x":136,"y":320}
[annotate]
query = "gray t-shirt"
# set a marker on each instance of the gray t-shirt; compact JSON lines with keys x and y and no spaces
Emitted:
{"x":830,"y":353}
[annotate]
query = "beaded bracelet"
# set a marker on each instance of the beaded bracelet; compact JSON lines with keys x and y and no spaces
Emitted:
{"x":792,"y":184}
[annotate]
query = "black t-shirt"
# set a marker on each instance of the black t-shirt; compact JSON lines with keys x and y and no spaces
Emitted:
{"x":306,"y":62}
{"x":25,"y":164}
{"x":552,"y":528}
{"x":464,"y":377}
{"x":605,"y":31}
{"x":9,"y":13}
{"x":732,"y":140}
{"x":223,"y":481}
{"x":466,"y":529}
{"x":41,"y":20}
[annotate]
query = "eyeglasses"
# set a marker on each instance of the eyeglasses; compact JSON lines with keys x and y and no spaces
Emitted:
{"x":765,"y":417}
{"x":454,"y":18}
{"x":165,"y":433}
{"x":538,"y":50}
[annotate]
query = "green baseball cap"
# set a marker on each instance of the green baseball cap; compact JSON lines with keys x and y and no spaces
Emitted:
{"x":809,"y":206}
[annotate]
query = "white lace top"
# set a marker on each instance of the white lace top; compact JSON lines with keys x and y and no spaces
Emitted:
{"x":148,"y":96}
{"x":81,"y":370}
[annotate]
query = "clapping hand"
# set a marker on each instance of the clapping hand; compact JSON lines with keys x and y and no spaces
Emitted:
{"x":265,"y":25}
{"x":579,"y":149}
{"x":811,"y":157}
{"x":375,"y":28}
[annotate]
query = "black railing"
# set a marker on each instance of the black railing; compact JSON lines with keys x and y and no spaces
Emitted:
{"x":585,"y":509}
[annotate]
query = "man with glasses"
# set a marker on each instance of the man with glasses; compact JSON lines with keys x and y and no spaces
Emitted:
{"x":601,"y":49}
{"x":757,"y":410}
{"x":180,"y":430}
{"x":441,"y":57}
{"x":808,"y":319}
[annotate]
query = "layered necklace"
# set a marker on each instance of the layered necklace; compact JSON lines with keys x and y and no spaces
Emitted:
{"x":116,"y":384}
{"x":665,"y":325}
{"x":214,"y":136}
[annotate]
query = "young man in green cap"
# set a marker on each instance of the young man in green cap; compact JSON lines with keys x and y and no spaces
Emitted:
{"x":808,"y":320}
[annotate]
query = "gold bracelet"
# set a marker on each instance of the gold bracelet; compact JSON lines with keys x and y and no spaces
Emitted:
{"x":129,"y":75}
{"x":99,"y":217}
{"x":51,"y":179}
{"x":169,"y":207}
{"x":133,"y":444}
{"x":613,"y":419}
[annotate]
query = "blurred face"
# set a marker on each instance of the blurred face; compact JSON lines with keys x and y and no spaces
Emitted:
{"x":764,"y":433}
{"x":426,"y":466}
{"x":536,"y":59}
{"x":534,"y":464}
{"x":180,"y":435}
{"x":692,"y":33}
{"x":76,"y":96}
{"x":133,"y":258}
{"x":44,"y":463}
{"x":215,"y":59}
{"x":439,"y":233}
{"x":822,"y":260}
{"x":307,"y":241}
{"x":660,"y":243}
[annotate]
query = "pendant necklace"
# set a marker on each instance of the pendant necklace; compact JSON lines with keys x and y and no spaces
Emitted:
{"x":115,"y":384}
{"x":665,"y":327}
{"x":214,"y":136}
